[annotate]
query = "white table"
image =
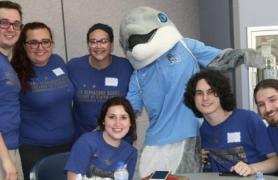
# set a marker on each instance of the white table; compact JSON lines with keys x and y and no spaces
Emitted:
{"x":215,"y":176}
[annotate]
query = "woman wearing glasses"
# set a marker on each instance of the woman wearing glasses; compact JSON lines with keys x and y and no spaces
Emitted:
{"x":97,"y":77}
{"x":45,"y":98}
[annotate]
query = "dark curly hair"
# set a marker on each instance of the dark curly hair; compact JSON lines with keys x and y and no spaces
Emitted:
{"x":20,"y":61}
{"x":218,"y":83}
{"x":128,"y":108}
{"x":266,"y":83}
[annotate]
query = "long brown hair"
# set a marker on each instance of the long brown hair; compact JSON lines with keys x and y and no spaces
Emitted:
{"x":20,"y":61}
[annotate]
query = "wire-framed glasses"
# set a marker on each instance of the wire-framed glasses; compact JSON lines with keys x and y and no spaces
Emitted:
{"x":95,"y":42}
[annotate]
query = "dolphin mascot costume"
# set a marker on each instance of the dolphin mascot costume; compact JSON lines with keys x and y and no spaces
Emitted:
{"x":164,"y":61}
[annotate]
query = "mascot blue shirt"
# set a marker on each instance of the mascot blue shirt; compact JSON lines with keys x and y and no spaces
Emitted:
{"x":160,"y":86}
{"x":164,"y":61}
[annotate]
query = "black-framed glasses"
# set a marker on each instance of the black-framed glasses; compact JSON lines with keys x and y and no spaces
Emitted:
{"x":34,"y":44}
{"x":95,"y":42}
{"x":5,"y":24}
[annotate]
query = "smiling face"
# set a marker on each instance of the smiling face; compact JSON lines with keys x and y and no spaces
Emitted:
{"x":39,"y":55}
{"x":267,"y":103}
{"x":116,"y":125}
{"x":9,"y":36}
{"x":206,"y":101}
{"x":100,"y":46}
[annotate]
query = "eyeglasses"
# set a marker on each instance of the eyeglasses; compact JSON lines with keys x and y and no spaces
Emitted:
{"x":5,"y":24}
{"x":95,"y":42}
{"x":34,"y":44}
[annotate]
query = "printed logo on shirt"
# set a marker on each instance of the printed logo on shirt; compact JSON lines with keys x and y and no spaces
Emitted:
{"x":173,"y":58}
{"x":230,"y":155}
{"x":58,"y":71}
{"x":95,"y":95}
{"x":110,"y":81}
{"x":46,"y":84}
{"x":233,"y":137}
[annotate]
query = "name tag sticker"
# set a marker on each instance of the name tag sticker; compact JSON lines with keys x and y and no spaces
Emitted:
{"x":233,"y":137}
{"x":110,"y":81}
{"x":58,"y":71}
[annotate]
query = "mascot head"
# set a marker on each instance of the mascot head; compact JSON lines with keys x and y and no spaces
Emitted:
{"x":146,"y":34}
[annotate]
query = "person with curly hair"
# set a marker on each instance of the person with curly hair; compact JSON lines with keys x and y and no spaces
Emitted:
{"x":235,"y":140}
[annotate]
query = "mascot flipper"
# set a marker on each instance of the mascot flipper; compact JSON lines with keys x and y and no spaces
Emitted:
{"x":164,"y":61}
{"x":230,"y":58}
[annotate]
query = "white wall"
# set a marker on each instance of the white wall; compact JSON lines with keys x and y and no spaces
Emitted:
{"x":79,"y":15}
{"x":49,"y":12}
{"x":253,"y":13}
{"x":249,"y":13}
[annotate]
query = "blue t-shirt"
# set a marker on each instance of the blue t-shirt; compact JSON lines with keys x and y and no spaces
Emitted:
{"x":241,"y":137}
{"x":273,"y":134}
{"x":160,"y":88}
{"x":91,"y":153}
{"x":9,"y":103}
{"x":93,"y":87}
{"x":46,"y":108}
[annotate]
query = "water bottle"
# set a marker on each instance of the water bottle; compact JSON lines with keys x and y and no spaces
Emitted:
{"x":259,"y":176}
{"x":121,"y":172}
{"x":270,"y":70}
{"x":78,"y":177}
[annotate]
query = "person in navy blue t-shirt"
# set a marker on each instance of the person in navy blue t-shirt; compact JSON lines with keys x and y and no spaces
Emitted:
{"x":266,"y":98}
{"x":96,"y":153}
{"x":46,"y":96}
{"x":10,"y":27}
{"x":97,"y":77}
{"x":236,"y":140}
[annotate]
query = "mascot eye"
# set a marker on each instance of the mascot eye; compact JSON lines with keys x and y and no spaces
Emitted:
{"x":135,"y":39}
{"x":162,"y":17}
